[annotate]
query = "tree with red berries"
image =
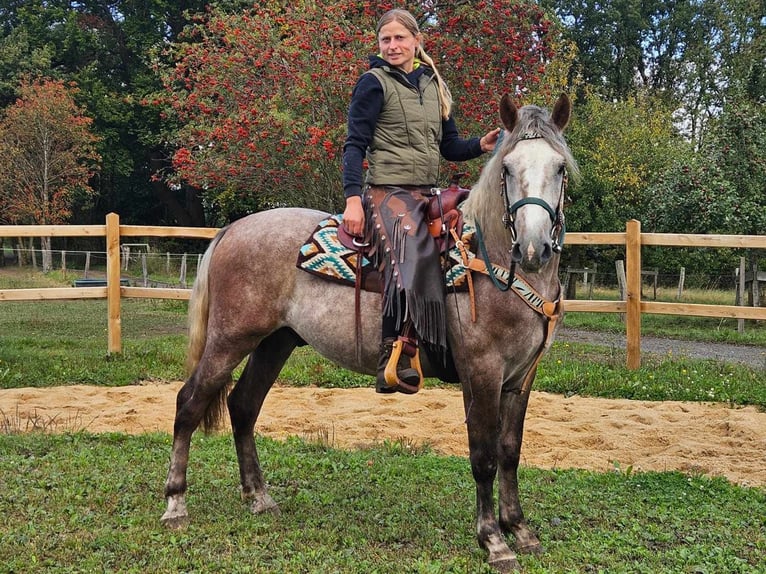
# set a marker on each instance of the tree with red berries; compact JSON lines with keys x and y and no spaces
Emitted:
{"x":262,"y":96}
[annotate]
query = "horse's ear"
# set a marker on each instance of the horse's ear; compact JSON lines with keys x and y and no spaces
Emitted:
{"x":508,"y":112}
{"x":561,"y":112}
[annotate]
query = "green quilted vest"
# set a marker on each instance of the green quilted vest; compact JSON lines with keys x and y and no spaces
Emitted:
{"x":405,"y":145}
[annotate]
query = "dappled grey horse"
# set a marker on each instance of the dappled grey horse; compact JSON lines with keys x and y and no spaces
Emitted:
{"x":251,"y":301}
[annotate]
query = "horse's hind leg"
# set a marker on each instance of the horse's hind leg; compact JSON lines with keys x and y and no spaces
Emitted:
{"x":245,"y":403}
{"x":197,"y":397}
{"x":513,"y":408}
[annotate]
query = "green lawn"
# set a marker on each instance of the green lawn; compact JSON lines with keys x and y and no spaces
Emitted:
{"x":78,"y":502}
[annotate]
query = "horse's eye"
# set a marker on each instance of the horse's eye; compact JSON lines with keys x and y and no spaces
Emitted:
{"x":562,"y":169}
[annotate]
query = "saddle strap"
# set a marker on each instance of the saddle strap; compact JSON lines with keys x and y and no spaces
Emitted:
{"x":469,"y":276}
{"x":550,"y":328}
{"x":358,"y":307}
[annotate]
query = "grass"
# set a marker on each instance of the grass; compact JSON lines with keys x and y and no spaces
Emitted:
{"x":709,"y":329}
{"x":64,"y":342}
{"x":81,"y":503}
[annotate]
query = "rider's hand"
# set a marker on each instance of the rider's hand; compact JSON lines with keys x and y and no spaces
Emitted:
{"x":353,"y":216}
{"x":489,"y":140}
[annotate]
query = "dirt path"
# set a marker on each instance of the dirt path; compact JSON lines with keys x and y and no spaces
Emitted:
{"x":749,"y":355}
{"x":574,"y":432}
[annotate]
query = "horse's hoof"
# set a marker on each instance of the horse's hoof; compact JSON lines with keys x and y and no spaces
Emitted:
{"x":264,"y":503}
{"x":174,"y":521}
{"x":534,"y":549}
{"x":505,"y":565}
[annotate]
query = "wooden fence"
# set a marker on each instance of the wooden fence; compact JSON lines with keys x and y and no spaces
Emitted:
{"x":633,"y":307}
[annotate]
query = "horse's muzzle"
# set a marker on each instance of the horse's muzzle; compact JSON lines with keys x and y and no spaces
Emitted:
{"x":532,"y":256}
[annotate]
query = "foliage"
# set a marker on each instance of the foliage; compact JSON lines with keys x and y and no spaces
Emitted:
{"x":688,"y":53}
{"x":723,"y":185}
{"x":107,"y":47}
{"x":47,"y":153}
{"x":92,"y":503}
{"x":262,"y":95}
{"x":621,"y":148}
{"x":247,"y":88}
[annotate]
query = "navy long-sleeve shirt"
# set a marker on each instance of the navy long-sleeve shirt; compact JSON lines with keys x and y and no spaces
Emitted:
{"x":366,"y":103}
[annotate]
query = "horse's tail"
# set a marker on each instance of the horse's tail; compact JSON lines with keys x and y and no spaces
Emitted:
{"x":197,"y":322}
{"x":198,"y":309}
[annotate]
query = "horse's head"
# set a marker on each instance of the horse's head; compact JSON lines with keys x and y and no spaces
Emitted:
{"x":533,"y":175}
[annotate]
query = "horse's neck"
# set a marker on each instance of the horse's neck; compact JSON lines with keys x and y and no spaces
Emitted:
{"x":549,"y":282}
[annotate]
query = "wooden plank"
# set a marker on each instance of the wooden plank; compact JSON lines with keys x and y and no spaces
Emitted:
{"x":158,"y":231}
{"x":585,"y":238}
{"x":51,"y":293}
{"x":700,"y":310}
{"x":702,"y":240}
{"x":52,"y":230}
{"x":114,"y":320}
{"x":595,"y":306}
{"x":156,"y":293}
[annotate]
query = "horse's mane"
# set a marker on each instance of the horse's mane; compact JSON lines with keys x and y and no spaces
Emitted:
{"x":485,"y":204}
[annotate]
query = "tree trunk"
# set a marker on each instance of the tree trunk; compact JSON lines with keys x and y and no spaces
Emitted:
{"x":47,"y":255}
{"x":32,"y":252}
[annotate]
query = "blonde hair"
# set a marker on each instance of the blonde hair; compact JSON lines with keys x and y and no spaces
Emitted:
{"x":407,"y":20}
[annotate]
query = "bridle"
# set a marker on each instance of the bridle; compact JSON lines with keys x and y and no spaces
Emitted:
{"x":556,"y":215}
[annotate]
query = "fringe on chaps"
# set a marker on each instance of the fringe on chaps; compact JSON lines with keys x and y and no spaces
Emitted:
{"x":408,"y":259}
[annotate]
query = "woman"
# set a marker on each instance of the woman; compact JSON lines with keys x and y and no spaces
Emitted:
{"x":399,"y":119}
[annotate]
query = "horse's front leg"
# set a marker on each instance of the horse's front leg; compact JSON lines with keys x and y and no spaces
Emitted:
{"x":482,"y":419}
{"x":513,"y":408}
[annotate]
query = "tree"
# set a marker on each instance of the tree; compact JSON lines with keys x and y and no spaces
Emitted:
{"x":47,"y":155}
{"x":685,"y":52}
{"x":622,"y":147}
{"x":109,"y":48}
{"x":261,"y":96}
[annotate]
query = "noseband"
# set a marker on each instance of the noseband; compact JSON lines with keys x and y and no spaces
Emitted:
{"x":556,"y":216}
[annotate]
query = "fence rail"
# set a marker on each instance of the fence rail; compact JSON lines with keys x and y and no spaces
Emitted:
{"x":633,"y":307}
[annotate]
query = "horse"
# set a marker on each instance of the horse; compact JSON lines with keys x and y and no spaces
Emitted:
{"x":250,"y":301}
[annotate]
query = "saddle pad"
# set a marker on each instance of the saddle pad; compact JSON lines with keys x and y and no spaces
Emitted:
{"x":325,"y":256}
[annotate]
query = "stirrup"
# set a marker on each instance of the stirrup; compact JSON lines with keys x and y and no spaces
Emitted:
{"x":403,"y":344}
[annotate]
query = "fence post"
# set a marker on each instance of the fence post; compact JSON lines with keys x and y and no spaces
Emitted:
{"x":633,"y":280}
{"x":182,"y":276}
{"x":681,"y":279}
{"x":144,"y":270}
{"x":114,"y":325}
{"x":740,"y":297}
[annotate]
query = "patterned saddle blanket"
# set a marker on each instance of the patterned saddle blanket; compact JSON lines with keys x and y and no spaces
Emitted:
{"x":324,"y":255}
